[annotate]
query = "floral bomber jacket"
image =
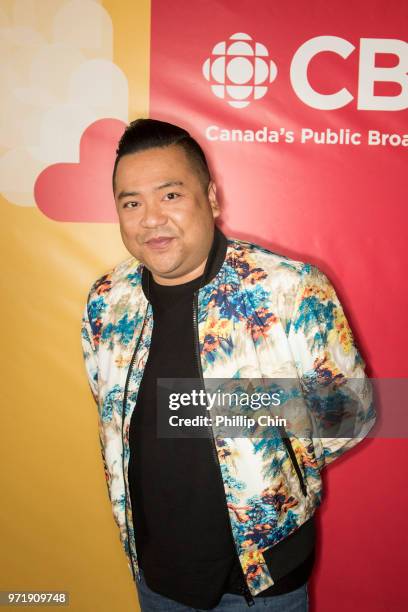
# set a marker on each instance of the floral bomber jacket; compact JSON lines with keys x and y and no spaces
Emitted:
{"x":263,"y":315}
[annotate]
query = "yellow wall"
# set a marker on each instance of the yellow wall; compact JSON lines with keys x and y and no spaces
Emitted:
{"x":57,"y":527}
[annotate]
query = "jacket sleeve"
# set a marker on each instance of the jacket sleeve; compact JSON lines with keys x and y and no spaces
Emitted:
{"x":89,"y":353}
{"x":90,"y":356}
{"x":337,"y":392}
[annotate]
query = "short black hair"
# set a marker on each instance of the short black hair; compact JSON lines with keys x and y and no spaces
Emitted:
{"x":142,"y":134}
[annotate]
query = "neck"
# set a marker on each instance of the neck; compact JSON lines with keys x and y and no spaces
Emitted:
{"x":189,"y":276}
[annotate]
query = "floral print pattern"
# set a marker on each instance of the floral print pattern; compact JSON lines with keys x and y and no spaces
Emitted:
{"x":263,"y":316}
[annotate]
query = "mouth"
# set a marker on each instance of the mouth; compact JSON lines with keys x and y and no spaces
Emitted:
{"x":159,"y":243}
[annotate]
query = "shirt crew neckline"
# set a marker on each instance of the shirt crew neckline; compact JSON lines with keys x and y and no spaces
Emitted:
{"x":169,"y":288}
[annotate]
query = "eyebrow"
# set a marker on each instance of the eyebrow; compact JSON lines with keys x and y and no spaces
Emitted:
{"x":126,"y":194}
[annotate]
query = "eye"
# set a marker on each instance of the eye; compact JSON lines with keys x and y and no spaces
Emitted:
{"x":130,"y":204}
{"x":172,"y":193}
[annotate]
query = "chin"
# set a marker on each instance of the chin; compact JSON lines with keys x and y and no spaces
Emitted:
{"x":161,"y":265}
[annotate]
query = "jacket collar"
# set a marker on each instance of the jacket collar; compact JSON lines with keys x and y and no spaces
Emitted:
{"x":216,"y":256}
{"x":215,"y":259}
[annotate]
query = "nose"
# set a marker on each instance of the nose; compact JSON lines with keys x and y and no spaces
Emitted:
{"x":153,"y":215}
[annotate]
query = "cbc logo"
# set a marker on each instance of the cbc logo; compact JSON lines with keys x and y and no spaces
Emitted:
{"x":240,"y":71}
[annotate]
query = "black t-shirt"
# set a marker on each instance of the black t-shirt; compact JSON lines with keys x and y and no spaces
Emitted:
{"x":183,"y":536}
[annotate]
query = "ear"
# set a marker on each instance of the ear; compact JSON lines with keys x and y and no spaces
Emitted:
{"x":212,"y":198}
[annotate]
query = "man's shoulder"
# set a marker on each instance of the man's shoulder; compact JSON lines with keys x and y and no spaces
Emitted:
{"x":127,"y":273}
{"x":267,"y":264}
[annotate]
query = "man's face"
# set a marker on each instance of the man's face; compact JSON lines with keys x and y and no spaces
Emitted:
{"x":166,"y":219}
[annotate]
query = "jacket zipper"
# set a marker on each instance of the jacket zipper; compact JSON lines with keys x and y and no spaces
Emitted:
{"x":132,"y":361}
{"x":245,"y":590}
{"x":293,"y":458}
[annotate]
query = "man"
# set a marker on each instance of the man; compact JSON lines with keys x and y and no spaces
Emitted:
{"x":209,"y":522}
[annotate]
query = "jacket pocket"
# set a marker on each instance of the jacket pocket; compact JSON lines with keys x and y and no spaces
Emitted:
{"x":292,"y":456}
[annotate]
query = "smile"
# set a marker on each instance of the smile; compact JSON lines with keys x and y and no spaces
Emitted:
{"x":159,"y":244}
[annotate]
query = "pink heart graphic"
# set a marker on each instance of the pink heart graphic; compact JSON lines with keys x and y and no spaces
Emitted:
{"x":82,"y":192}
